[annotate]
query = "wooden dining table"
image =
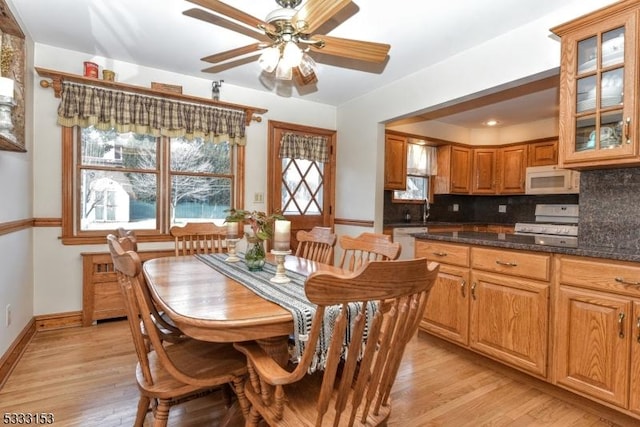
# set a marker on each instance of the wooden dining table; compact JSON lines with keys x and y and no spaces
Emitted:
{"x":209,"y":306}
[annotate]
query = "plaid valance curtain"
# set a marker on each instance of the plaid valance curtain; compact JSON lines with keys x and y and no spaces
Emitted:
{"x":304,"y":147}
{"x":86,"y":106}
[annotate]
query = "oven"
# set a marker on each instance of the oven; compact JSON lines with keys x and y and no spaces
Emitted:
{"x":555,"y":225}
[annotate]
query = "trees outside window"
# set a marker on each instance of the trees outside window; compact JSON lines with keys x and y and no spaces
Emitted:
{"x":145,"y":183}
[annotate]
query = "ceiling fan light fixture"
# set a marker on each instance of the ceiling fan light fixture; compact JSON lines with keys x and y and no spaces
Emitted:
{"x":268,"y":61}
{"x":283,"y":71}
{"x":307,"y":65}
{"x":291,"y":55}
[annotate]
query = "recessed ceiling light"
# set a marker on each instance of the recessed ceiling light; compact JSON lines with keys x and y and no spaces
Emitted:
{"x":491,"y":122}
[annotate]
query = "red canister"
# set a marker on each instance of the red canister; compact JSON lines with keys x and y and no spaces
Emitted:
{"x":90,"y":69}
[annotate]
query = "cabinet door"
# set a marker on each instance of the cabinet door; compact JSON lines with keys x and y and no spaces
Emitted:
{"x":395,"y":162}
{"x":543,"y":153}
{"x":460,"y":169}
{"x":505,"y":312}
{"x":598,"y":91}
{"x":447,"y":311}
{"x":513,"y":164}
{"x":634,"y":391}
{"x":592,"y":343}
{"x":484,"y":171}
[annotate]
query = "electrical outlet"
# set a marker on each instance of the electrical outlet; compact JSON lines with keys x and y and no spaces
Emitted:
{"x":456,"y":208}
{"x":8,"y":315}
{"x":502,"y":208}
{"x":258,"y":197}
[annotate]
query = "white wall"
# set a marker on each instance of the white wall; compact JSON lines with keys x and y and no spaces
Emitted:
{"x":16,"y":248}
{"x":58,"y":268}
{"x":526,"y":51}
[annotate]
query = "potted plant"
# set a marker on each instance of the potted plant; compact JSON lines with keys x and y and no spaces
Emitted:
{"x":261,"y":229}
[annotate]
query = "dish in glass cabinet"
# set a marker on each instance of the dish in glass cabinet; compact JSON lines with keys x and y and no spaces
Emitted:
{"x":615,"y":57}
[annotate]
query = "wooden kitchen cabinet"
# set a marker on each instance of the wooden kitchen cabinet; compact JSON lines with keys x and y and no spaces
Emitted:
{"x":597,"y":346}
{"x":512,"y":170}
{"x":395,"y":162}
{"x":485,"y":173}
{"x":454,"y":170}
{"x":543,"y":153}
{"x":509,"y":307}
{"x":599,"y":88}
{"x":447,"y":311}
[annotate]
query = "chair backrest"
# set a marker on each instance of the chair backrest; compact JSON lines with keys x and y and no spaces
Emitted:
{"x":127,"y":239}
{"x":198,"y":238}
{"x":316,"y":245}
{"x":399,"y":290}
{"x":367,"y":247}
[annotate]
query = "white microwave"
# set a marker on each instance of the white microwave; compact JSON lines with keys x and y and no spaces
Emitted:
{"x":552,"y":180}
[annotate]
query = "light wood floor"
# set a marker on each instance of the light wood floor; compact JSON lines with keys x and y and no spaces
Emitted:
{"x":84,"y":376}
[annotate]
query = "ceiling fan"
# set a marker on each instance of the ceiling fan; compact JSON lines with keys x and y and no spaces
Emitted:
{"x":285,"y":38}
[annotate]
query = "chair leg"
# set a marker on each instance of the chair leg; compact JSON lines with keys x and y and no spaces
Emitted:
{"x":143,"y":407}
{"x":161,"y":416}
{"x":238,"y":387}
{"x":253,"y":419}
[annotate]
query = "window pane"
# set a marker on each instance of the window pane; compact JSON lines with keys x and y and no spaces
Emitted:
{"x":110,"y":199}
{"x":417,"y":189}
{"x":109,"y":148}
{"x":197,"y":198}
{"x":200,"y":156}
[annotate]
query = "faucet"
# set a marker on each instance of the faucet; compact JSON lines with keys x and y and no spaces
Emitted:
{"x":425,"y":210}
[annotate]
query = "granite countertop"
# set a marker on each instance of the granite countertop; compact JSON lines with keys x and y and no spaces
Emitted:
{"x":440,"y":223}
{"x":528,"y":243}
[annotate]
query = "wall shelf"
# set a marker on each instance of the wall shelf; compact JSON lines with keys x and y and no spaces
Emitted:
{"x":57,"y":77}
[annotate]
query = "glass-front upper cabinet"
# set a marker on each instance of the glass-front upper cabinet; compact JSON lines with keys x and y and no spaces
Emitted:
{"x":598,"y":86}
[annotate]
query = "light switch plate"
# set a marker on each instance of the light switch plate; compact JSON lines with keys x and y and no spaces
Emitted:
{"x":502,"y":208}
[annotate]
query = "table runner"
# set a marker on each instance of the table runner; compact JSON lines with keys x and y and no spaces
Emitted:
{"x":290,"y":296}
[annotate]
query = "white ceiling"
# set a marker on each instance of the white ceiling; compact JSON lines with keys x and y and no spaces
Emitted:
{"x":156,"y":34}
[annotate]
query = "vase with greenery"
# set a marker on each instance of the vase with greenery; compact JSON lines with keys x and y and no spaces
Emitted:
{"x":261,"y":226}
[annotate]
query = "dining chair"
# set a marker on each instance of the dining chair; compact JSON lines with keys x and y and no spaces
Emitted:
{"x":316,"y":245}
{"x":366,"y":247}
{"x":177,"y":372}
{"x":198,"y":238}
{"x":167,"y":328}
{"x":355,"y":385}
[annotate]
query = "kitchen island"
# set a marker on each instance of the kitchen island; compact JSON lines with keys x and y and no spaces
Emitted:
{"x":567,"y":315}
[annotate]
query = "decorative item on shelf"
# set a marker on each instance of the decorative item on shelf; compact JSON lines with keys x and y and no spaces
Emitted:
{"x":90,"y":69}
{"x":232,"y":239}
{"x":108,"y":75}
{"x":215,"y":89}
{"x":261,"y":229}
{"x":164,"y":87}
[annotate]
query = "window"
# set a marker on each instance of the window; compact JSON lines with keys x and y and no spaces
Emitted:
{"x":143,"y":183}
{"x":421,"y":164}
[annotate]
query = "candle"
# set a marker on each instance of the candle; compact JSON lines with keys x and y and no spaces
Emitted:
{"x":6,"y":87}
{"x":281,"y":235}
{"x":232,"y":229}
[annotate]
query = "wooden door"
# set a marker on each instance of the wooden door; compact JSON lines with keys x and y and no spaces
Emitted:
{"x":303,"y":190}
{"x":395,"y":162}
{"x":513,"y":167}
{"x":484,"y":171}
{"x":504,"y":312}
{"x":592,"y":343}
{"x":447,"y":311}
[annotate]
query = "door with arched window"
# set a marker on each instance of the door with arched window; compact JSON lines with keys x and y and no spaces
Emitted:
{"x":301,"y":174}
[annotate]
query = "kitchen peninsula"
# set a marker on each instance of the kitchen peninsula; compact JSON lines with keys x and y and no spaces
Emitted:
{"x":567,"y":315}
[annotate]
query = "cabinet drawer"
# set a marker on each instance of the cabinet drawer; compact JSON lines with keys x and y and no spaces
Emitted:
{"x":443,"y":252}
{"x":603,"y":275}
{"x":516,"y":263}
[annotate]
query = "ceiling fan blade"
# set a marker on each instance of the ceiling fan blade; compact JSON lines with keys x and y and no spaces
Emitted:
{"x":317,"y":12}
{"x":205,"y":16}
{"x":218,"y":68}
{"x":353,"y":49}
{"x":232,"y":53}
{"x":231,"y":12}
